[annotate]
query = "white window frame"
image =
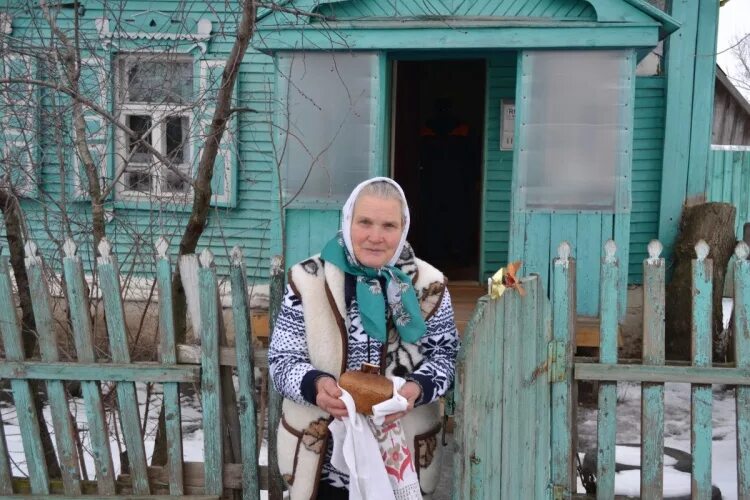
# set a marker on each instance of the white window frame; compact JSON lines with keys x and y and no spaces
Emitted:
{"x":159,"y":113}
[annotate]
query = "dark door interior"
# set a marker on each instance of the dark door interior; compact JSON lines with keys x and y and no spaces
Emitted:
{"x":437,"y":158}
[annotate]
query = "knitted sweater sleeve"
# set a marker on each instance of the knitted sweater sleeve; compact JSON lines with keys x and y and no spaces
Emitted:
{"x":439,"y":346}
{"x":288,"y":358}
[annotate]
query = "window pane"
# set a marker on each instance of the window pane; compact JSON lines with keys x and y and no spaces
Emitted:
{"x":331,"y":97}
{"x":173,"y":183}
{"x":139,"y":152}
{"x":138,"y":180}
{"x":159,"y":81}
{"x":176,"y":133}
{"x":575,"y":130}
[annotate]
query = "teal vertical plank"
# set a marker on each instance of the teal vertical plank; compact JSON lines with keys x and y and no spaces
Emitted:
{"x":563,"y":326}
{"x":622,"y":237}
{"x":297,"y":235}
{"x":511,"y":386}
{"x":737,"y":188}
{"x":563,"y":227}
{"x":127,"y":400}
{"x":481,"y":470}
{"x":61,"y":420}
{"x":701,"y":397}
{"x":276,"y":294}
{"x":491,"y":332}
{"x":518,"y":226}
{"x":168,"y":355}
{"x":726,"y":193}
{"x":742,"y":355}
{"x":714,"y":176}
{"x":607,"y":416}
{"x":652,"y":395}
{"x":22,"y":394}
{"x":6,"y":483}
{"x":588,"y":258}
{"x":246,"y":375}
{"x":526,"y":428}
{"x":84,"y":341}
{"x":543,"y":400}
{"x":323,"y":226}
{"x":213,"y":444}
{"x":703,"y":95}
{"x":680,"y":66}
{"x":536,"y":248}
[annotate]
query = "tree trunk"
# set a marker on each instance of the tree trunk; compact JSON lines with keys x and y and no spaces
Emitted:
{"x":14,"y":233}
{"x":713,"y":223}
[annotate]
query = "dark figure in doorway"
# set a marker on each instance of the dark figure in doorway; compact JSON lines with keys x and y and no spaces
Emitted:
{"x":446,"y":165}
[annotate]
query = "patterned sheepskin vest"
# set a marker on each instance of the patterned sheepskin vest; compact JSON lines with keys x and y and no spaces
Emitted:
{"x":303,"y":430}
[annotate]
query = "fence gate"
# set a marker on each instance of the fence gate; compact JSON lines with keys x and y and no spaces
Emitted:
{"x":503,"y":398}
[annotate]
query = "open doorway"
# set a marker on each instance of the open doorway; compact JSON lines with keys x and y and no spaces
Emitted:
{"x":438,"y":127}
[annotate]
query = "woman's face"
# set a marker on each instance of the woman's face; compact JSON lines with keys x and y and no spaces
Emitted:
{"x":376,"y":229}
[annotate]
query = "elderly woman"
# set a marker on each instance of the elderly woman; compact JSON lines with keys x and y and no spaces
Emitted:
{"x":365,"y":299}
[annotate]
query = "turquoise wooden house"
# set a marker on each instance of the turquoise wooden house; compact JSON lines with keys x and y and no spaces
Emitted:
{"x":511,"y":124}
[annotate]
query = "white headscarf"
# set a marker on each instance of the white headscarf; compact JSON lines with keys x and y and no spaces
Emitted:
{"x":348,"y":213}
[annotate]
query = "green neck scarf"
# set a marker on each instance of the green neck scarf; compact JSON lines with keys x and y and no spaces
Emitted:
{"x":401,"y":296}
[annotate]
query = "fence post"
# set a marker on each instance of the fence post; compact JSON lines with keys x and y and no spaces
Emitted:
{"x":275,"y":484}
{"x":78,"y":304}
{"x":561,"y":377}
{"x":168,"y":355}
{"x":607,"y":417}
{"x":246,"y":373}
{"x":65,"y":432}
{"x":742,"y":355}
{"x":213,"y":444}
{"x":701,"y":400}
{"x":652,"y":394}
{"x":127,"y":401}
{"x":23,"y":396}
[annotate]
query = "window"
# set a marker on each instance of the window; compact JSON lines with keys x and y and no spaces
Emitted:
{"x":330,"y":112}
{"x":575,"y":133}
{"x":155,"y":99}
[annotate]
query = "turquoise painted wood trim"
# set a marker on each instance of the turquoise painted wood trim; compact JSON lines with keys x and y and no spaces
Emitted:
{"x":111,"y":372}
{"x":276,"y":294}
{"x":680,"y":68}
{"x":130,"y":421}
{"x":652,"y":395}
{"x":246,"y":376}
{"x":276,"y":205}
{"x":168,"y":355}
{"x":542,"y":423}
{"x":23,"y":396}
{"x":518,"y":217}
{"x":703,"y":97}
{"x":527,"y":426}
{"x":381,"y":161}
{"x":213,"y":429}
{"x":6,"y":482}
{"x":742,"y":354}
{"x":662,"y":374}
{"x":606,"y":417}
{"x":351,"y":36}
{"x":488,"y":472}
{"x":563,"y":326}
{"x":588,"y":243}
{"x":83,"y":337}
{"x":62,"y":423}
{"x":701,"y":395}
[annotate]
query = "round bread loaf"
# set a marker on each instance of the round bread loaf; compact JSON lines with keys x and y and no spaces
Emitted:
{"x":367,"y":389}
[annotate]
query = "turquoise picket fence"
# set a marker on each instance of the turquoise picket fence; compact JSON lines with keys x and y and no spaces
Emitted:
{"x":516,"y":388}
{"x":230,"y":426}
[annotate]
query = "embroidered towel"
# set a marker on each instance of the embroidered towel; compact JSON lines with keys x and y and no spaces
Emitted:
{"x":375,"y":456}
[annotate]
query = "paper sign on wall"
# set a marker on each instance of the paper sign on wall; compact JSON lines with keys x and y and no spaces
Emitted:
{"x":507,"y":124}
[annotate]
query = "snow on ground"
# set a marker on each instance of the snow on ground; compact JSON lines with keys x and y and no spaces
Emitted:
{"x":676,"y":435}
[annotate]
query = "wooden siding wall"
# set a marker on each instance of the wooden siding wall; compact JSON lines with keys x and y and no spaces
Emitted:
{"x":134,"y":230}
{"x":731,"y":116}
{"x":498,"y":166}
{"x":648,"y":147}
{"x":554,"y":9}
{"x":729,"y":181}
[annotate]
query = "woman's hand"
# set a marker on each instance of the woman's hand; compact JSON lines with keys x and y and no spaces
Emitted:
{"x":327,"y":397}
{"x":411,"y":391}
